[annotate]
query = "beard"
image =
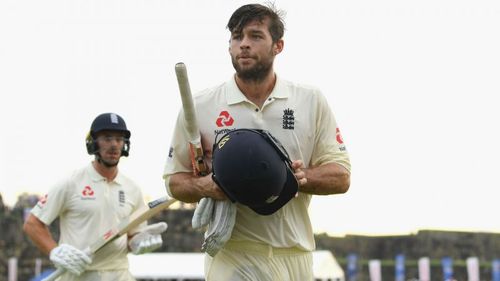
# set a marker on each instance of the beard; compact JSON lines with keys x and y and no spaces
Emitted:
{"x":255,"y":73}
{"x":107,"y":162}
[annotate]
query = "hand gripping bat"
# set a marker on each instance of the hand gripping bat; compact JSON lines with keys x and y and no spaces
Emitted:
{"x":195,"y":148}
{"x":123,"y":227}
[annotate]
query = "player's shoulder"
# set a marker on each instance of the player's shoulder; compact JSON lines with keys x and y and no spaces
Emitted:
{"x":299,"y":87}
{"x":126,"y":181}
{"x":67,"y":181}
{"x":80,"y":172}
{"x":210,"y":92}
{"x":301,"y":92}
{"x":209,"y":96}
{"x":72,"y":176}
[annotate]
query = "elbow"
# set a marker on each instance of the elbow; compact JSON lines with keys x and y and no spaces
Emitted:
{"x":28,"y":225}
{"x":25,"y":227}
{"x":172,"y":189}
{"x":167,"y":187}
{"x":171,"y":186}
{"x":175,"y":185}
{"x":344,"y":182}
{"x":173,"y":192}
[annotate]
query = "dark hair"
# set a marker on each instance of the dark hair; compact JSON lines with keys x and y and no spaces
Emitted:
{"x":247,"y":13}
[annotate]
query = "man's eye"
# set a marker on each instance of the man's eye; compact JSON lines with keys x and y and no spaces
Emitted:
{"x":112,"y":138}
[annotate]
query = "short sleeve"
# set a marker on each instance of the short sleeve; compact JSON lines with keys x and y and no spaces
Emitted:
{"x":52,"y":204}
{"x":329,"y":146}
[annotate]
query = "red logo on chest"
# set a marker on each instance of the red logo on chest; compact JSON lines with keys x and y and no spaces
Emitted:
{"x":224,"y":119}
{"x":87,"y":191}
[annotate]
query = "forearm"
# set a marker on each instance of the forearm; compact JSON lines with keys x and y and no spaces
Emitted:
{"x":188,"y":188}
{"x":39,"y":233}
{"x":326,"y":179}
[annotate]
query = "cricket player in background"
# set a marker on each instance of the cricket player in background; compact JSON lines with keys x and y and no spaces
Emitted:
{"x":268,"y":243}
{"x":88,"y":203}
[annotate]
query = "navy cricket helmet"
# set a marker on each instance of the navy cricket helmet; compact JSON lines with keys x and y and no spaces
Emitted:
{"x":107,"y":122}
{"x":254,"y":169}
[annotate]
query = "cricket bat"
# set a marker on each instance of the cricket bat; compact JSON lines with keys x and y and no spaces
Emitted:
{"x":123,"y":227}
{"x":195,"y":148}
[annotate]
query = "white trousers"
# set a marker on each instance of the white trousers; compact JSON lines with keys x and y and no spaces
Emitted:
{"x":94,"y":275}
{"x":248,"y":261}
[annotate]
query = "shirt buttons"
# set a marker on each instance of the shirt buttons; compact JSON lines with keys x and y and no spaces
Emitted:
{"x":256,"y":110}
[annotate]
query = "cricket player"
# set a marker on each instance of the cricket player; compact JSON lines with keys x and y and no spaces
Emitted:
{"x":273,"y":243}
{"x":89,"y":202}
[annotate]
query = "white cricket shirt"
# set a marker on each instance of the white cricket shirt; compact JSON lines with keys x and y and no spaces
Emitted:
{"x":299,"y":117}
{"x":88,"y":206}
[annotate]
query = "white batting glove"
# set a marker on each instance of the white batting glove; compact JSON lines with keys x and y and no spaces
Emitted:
{"x":149,"y":239}
{"x":70,"y":258}
{"x":203,"y":212}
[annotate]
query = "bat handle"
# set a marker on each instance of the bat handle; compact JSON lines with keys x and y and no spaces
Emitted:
{"x":54,"y":275}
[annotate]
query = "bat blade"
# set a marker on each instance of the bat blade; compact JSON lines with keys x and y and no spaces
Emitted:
{"x":131,"y":223}
{"x":194,"y":138}
{"x":122,"y":228}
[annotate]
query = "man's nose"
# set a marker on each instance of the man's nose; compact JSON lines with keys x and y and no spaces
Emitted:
{"x":245,"y":43}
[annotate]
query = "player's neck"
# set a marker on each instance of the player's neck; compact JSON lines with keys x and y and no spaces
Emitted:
{"x":108,"y":172}
{"x":257,"y":91}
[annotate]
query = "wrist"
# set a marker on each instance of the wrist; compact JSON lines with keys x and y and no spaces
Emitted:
{"x":205,"y":186}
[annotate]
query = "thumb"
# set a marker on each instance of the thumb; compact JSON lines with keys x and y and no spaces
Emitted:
{"x":156,"y":228}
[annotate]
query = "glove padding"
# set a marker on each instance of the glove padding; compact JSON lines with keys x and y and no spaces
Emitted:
{"x":149,"y":239}
{"x":70,"y":258}
{"x":220,"y":227}
{"x":203,"y":213}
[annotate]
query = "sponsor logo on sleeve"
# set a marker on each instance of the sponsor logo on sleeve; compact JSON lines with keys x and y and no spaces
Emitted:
{"x":43,"y":200}
{"x":108,"y":234}
{"x":340,"y":140}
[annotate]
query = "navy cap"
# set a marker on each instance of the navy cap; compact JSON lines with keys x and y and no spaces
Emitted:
{"x":109,"y":121}
{"x":253,"y":168}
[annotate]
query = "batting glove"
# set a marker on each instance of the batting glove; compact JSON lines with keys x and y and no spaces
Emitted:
{"x":203,"y":213}
{"x":149,"y":239}
{"x":70,"y":258}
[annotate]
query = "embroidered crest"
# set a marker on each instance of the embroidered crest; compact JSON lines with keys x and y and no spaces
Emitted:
{"x":288,"y":119}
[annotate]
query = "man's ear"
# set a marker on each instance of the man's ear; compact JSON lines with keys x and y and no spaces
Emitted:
{"x":278,"y":46}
